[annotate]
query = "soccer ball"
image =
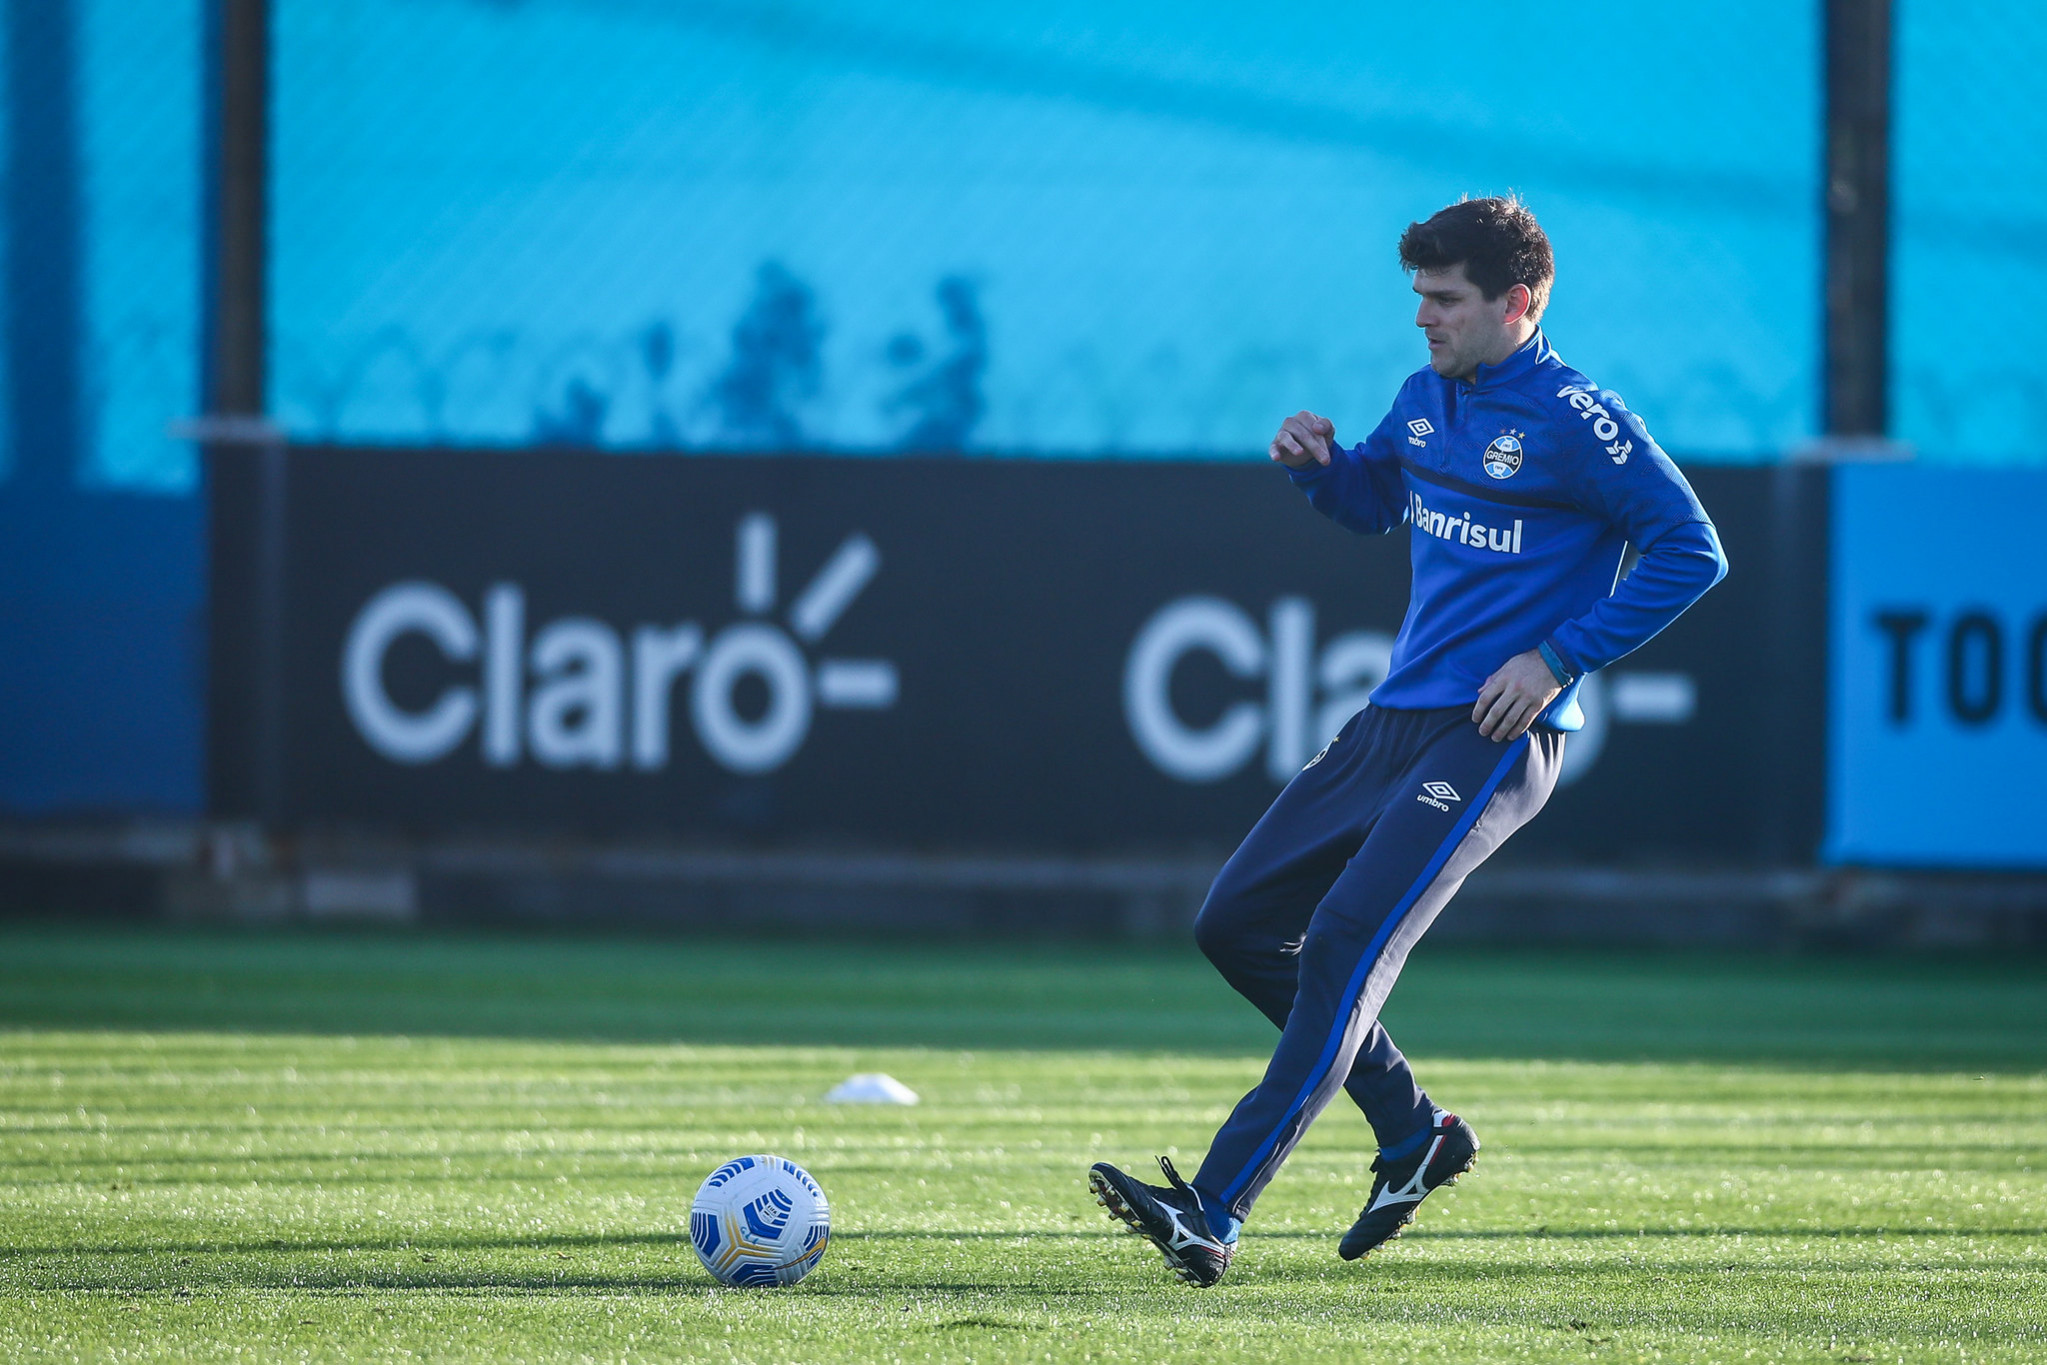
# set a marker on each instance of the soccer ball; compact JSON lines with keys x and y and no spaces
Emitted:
{"x":760,"y":1220}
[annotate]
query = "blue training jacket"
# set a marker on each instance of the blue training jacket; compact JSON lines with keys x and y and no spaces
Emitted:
{"x":1524,"y":488}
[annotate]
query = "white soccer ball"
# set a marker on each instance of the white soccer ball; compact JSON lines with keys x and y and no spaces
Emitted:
{"x":760,"y":1220}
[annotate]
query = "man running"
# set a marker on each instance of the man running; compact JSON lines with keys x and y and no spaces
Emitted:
{"x":1523,"y":484}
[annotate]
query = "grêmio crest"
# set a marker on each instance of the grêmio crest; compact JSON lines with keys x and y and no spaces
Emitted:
{"x":1502,"y":459}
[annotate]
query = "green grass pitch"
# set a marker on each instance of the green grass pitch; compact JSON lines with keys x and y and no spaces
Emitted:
{"x":361,"y":1147}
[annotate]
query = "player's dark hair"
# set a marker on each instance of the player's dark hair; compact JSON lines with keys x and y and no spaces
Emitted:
{"x":1497,"y":241}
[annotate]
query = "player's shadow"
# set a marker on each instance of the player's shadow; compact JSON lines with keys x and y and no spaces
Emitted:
{"x":556,"y":1243}
{"x":560,"y":1243}
{"x":185,"y":1270}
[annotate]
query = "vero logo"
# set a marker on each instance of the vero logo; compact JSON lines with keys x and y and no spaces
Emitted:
{"x":1438,"y":794}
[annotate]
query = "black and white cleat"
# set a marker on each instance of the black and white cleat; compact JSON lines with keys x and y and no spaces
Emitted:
{"x":1169,"y":1218}
{"x":1450,"y":1151}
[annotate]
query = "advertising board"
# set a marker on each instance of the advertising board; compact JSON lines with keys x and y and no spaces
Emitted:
{"x":903,"y":653}
{"x":1938,"y":733}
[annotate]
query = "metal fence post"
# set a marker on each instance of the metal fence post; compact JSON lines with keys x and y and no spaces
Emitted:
{"x":1858,"y":130}
{"x":245,"y":457}
{"x":43,"y":281}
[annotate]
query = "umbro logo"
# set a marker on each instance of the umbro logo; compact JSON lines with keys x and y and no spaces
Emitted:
{"x":1438,"y":794}
{"x":1420,"y":426}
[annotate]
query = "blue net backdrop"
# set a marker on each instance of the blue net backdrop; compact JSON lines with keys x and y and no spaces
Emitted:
{"x":1116,"y":227}
{"x":103,"y":160}
{"x":1969,"y":249}
{"x":141,"y":106}
{"x":1102,"y":229}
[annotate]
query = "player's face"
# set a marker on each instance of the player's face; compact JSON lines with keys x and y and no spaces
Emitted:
{"x":1464,"y":327}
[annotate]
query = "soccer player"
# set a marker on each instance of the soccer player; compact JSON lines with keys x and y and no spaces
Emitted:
{"x":1522,"y":484}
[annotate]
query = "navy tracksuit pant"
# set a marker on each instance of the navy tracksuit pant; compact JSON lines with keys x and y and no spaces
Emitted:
{"x":1313,"y":916}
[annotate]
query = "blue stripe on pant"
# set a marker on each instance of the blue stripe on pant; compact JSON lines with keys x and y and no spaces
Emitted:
{"x":1313,"y":916}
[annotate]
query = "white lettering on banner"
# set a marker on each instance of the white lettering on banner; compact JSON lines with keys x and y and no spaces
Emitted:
{"x":1222,"y":630}
{"x":834,"y":588}
{"x":407,"y":609}
{"x":573,"y":720}
{"x":504,"y":627}
{"x":1292,"y":626}
{"x":660,"y":656}
{"x":867,"y":684}
{"x":762,"y":745}
{"x":1655,"y":698}
{"x":591,"y":688}
{"x":1347,"y":669}
{"x":753,"y":579}
{"x":1343,"y":674}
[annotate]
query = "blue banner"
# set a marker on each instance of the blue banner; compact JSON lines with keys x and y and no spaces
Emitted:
{"x":1938,"y":743}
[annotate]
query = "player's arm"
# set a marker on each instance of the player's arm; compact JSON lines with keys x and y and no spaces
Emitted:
{"x":1359,"y":488}
{"x":1648,"y":499}
{"x":1645,"y":496}
{"x":1675,"y":571}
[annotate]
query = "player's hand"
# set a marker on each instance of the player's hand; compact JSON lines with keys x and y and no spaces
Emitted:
{"x":1514,"y":696}
{"x":1303,"y":440}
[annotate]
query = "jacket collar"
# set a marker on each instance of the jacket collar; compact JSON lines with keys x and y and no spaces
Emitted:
{"x":1533,"y":352}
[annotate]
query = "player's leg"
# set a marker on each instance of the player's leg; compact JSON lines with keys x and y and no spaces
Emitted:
{"x":1418,"y":852}
{"x":1257,"y":909}
{"x":1252,"y":924}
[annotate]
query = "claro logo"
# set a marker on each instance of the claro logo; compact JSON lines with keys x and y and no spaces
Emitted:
{"x":1286,"y":721}
{"x":1309,"y":693}
{"x":581,"y":694}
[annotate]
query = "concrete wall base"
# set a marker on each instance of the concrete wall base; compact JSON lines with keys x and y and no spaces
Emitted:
{"x":199,"y":873}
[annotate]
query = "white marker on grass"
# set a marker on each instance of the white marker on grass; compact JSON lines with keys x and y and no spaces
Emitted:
{"x":871,"y":1087}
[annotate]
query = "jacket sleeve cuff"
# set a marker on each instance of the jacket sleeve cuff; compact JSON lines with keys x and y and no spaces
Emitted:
{"x":1314,"y":472}
{"x":1559,"y":666}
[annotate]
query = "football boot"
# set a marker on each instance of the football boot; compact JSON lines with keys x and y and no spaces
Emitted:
{"x":1447,"y":1152}
{"x":1170,"y":1218}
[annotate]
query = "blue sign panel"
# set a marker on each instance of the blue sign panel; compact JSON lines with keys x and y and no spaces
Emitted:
{"x":1938,"y":749}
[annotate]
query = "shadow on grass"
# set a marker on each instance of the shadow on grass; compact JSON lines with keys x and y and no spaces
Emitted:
{"x":1106,"y":1234}
{"x":1506,"y":1291}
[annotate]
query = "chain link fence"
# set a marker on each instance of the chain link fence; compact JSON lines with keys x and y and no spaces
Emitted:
{"x":1078,"y":230}
{"x":103,"y":234}
{"x":142,"y":103}
{"x":1129,"y":229}
{"x":1969,"y":244}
